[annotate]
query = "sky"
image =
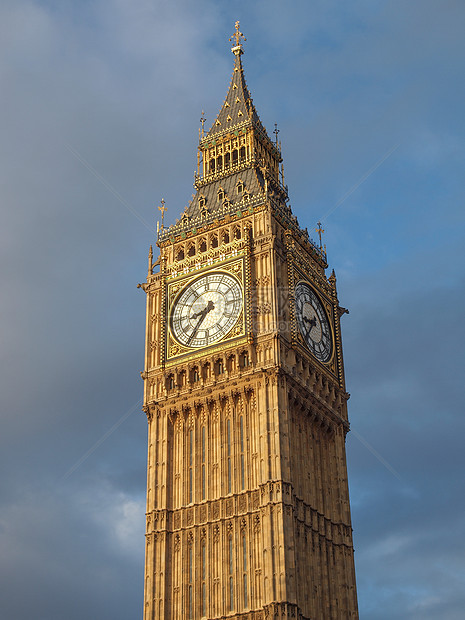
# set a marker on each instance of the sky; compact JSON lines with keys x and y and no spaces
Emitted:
{"x":100,"y":105}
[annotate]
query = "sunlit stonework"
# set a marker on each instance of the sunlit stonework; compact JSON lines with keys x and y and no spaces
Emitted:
{"x":247,"y":498}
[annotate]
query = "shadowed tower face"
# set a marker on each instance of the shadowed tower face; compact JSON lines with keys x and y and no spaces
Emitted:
{"x":247,"y":497}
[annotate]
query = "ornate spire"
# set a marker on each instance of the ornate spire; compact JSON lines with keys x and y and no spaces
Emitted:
{"x":238,"y":109}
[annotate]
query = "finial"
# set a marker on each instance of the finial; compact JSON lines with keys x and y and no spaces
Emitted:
{"x":237,"y":36}
{"x":276,"y":131}
{"x":319,"y":230}
{"x":163,"y":210}
{"x":202,"y":122}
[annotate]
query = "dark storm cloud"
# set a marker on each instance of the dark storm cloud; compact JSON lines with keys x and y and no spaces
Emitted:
{"x":123,"y":85}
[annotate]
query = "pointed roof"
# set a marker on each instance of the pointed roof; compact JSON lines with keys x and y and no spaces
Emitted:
{"x":238,"y":107}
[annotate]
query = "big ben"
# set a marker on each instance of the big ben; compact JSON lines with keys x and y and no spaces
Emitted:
{"x":248,"y":510}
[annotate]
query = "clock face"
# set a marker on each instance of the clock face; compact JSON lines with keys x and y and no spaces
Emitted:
{"x":206,"y":310}
{"x":313,"y":322}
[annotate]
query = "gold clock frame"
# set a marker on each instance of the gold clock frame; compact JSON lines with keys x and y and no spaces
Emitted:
{"x":328,"y":306}
{"x":234,"y":266}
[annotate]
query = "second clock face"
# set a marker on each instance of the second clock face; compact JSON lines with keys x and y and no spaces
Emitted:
{"x":313,"y":322}
{"x":206,"y":310}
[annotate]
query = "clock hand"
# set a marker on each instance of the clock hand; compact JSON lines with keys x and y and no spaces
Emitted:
{"x":311,"y":322}
{"x":207,"y":308}
{"x":203,"y":313}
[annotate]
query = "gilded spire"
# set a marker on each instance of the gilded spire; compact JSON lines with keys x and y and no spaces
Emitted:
{"x":238,"y":109}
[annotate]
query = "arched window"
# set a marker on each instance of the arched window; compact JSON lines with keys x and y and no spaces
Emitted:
{"x":190,"y":601}
{"x":241,"y":431}
{"x":220,"y":194}
{"x":212,"y":165}
{"x":204,"y":579}
{"x":191,"y":466}
{"x":180,"y":254}
{"x":226,"y":237}
{"x":191,"y":251}
{"x":242,"y":153}
{"x":227,"y":160}
{"x":234,"y":157}
{"x":195,"y":375}
{"x":219,"y":163}
{"x":244,"y":568}
{"x":231,"y":573}
{"x":214,"y":241}
{"x":204,"y":451}
{"x":203,"y":246}
{"x":170,"y":382}
{"x":237,"y":233}
{"x":239,"y":187}
{"x":220,"y":367}
{"x":228,"y":464}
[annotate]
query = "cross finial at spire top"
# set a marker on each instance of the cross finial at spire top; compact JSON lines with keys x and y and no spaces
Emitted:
{"x":276,"y":131}
{"x":320,"y":230}
{"x":202,"y":122}
{"x":236,"y":37}
{"x":163,"y":209}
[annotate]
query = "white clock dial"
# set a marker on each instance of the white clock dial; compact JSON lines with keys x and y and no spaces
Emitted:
{"x":206,"y":310}
{"x":313,"y":322}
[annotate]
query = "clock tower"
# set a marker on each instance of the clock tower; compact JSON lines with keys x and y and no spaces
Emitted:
{"x":247,"y":497}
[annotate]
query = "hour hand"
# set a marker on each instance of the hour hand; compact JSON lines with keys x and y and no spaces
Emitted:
{"x":205,"y":311}
{"x":202,"y":314}
{"x":311,"y":322}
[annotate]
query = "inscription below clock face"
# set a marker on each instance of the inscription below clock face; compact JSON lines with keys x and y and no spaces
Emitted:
{"x":313,"y":322}
{"x":206,"y":309}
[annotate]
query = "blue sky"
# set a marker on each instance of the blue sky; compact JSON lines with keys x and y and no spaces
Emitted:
{"x":101,"y":104}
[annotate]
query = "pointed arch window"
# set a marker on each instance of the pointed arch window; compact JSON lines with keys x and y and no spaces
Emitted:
{"x":242,"y":453}
{"x":221,"y":194}
{"x":244,"y":569}
{"x":190,"y":596}
{"x":204,"y":481}
{"x":191,"y":466}
{"x":228,"y":452}
{"x":240,"y":187}
{"x":203,"y":554}
{"x":231,"y":573}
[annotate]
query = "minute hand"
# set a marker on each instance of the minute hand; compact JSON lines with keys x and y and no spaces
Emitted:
{"x":202,"y":315}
